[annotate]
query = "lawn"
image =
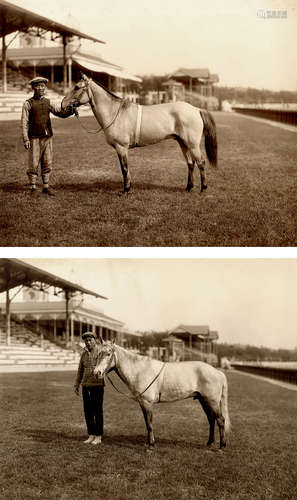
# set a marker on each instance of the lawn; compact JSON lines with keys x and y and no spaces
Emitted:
{"x":43,"y":454}
{"x":250,"y":201}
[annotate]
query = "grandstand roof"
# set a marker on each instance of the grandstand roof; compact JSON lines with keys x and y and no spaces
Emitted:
{"x":14,"y":272}
{"x":199,"y":331}
{"x":16,"y":18}
{"x":192,"y":73}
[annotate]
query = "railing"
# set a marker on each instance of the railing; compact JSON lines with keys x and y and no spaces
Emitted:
{"x":285,"y":116}
{"x":284,"y":374}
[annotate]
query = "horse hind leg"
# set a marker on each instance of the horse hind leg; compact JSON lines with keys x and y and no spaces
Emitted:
{"x":210,"y":417}
{"x":221,"y":424}
{"x":200,"y":161}
{"x":190,"y":163}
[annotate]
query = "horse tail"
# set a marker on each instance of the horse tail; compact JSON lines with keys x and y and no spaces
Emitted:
{"x":224,"y":405}
{"x":210,"y":133}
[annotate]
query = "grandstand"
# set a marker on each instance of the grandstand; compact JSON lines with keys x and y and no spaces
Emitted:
{"x":27,"y":352}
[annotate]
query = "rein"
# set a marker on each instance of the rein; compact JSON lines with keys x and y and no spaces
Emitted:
{"x":141,"y":393}
{"x":86,"y":88}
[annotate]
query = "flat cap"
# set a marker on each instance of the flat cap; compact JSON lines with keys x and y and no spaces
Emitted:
{"x":88,"y":334}
{"x":38,"y":79}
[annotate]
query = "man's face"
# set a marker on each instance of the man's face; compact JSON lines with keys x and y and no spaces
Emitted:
{"x":90,"y":343}
{"x":39,"y":89}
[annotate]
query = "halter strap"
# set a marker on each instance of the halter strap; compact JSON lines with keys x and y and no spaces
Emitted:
{"x":86,"y":87}
{"x":141,"y":393}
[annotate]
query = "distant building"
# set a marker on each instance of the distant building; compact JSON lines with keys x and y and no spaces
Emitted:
{"x":198,"y":80}
{"x":175,"y":90}
{"x":199,"y":342}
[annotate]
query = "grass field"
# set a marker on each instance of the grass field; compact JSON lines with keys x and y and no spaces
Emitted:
{"x":43,"y":456}
{"x":250,"y":201}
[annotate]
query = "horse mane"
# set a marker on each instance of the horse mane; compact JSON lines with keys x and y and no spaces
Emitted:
{"x":125,"y":102}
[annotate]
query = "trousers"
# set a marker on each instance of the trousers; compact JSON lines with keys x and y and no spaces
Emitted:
{"x":93,"y":409}
{"x":40,"y":154}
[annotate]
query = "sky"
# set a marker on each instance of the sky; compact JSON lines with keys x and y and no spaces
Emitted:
{"x":248,"y":301}
{"x":234,"y":38}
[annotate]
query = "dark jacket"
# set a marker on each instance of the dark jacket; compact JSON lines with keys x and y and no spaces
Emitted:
{"x":35,"y":119}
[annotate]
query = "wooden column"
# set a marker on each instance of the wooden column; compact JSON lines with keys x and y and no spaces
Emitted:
{"x":55,"y":328}
{"x":71,"y":329}
{"x":69,"y":73}
{"x":64,"y":38}
{"x":7,"y":318}
{"x":67,"y":297}
{"x":52,"y":73}
{"x":4,"y":64}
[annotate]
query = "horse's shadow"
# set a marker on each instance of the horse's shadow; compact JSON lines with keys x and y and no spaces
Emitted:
{"x":113,"y":186}
{"x":99,"y":187}
{"x":109,"y":440}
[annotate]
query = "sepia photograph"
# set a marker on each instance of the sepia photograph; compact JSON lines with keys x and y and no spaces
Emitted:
{"x":148,"y":124}
{"x":148,"y":378}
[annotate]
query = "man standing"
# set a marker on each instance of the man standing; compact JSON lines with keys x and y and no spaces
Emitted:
{"x":92,"y":389}
{"x":37,"y":133}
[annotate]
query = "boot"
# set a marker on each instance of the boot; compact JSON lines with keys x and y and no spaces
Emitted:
{"x":48,"y":191}
{"x":97,"y":440}
{"x":90,"y":439}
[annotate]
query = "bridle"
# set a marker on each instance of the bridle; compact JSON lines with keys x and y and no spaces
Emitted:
{"x":118,"y":390}
{"x":76,"y":104}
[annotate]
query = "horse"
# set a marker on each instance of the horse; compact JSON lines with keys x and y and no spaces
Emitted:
{"x":152,"y":381}
{"x":127,"y":125}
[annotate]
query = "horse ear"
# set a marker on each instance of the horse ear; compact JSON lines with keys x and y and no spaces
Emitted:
{"x":83,"y":76}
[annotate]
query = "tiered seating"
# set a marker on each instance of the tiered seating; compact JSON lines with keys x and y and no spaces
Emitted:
{"x":17,"y":92}
{"x":26,"y":350}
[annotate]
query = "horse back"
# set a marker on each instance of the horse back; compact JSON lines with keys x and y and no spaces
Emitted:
{"x":187,"y":378}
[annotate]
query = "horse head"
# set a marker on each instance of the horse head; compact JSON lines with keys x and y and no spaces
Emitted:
{"x":78,"y":94}
{"x":106,"y":360}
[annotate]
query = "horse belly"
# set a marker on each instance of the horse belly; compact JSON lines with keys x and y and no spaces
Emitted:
{"x":180,"y":382}
{"x":156,"y":125}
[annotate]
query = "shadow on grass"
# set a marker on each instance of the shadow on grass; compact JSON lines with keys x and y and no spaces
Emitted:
{"x":120,"y":440}
{"x":13,"y":187}
{"x":111,"y":186}
{"x":90,"y":187}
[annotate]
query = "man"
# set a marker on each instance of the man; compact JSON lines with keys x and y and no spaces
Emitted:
{"x":37,"y":133}
{"x":92,"y":389}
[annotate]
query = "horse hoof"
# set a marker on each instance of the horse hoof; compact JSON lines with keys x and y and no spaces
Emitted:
{"x":203,"y":188}
{"x":189,"y":188}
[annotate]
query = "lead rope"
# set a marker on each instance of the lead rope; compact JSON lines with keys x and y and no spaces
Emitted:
{"x":75,"y":110}
{"x":141,"y":393}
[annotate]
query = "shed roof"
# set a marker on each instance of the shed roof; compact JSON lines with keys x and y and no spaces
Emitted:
{"x":192,"y":73}
{"x":14,"y":272}
{"x":17,"y":18}
{"x":191,"y":329}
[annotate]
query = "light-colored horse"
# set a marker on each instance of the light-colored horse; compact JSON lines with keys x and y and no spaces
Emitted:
{"x":151,"y":381}
{"x":127,"y":125}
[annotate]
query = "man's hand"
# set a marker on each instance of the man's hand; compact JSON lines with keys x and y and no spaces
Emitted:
{"x":76,"y":390}
{"x":27,"y":145}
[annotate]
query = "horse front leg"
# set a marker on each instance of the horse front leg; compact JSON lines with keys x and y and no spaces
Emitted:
{"x":123,"y":157}
{"x":147,"y":410}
